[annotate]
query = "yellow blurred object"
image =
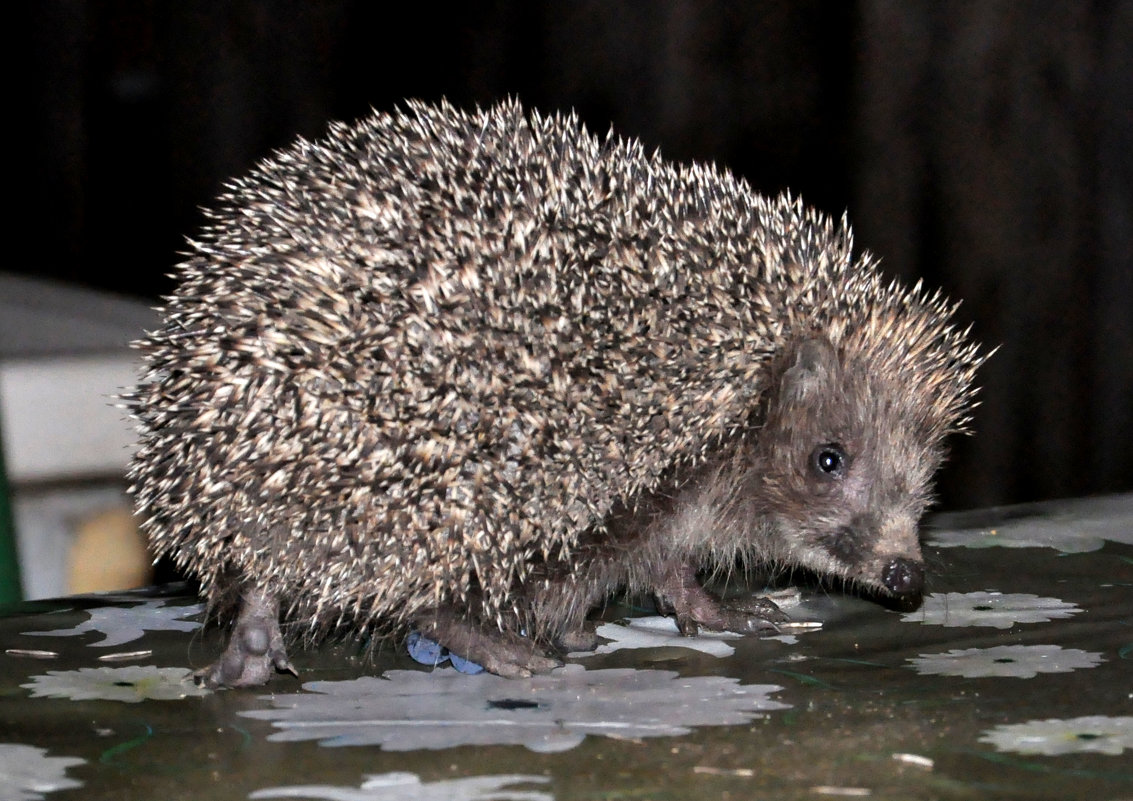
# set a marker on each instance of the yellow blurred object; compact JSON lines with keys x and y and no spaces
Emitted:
{"x":109,"y":553}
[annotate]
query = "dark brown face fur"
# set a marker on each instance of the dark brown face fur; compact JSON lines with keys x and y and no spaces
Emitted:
{"x":844,"y":466}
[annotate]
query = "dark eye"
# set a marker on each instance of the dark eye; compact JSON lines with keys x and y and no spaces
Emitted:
{"x":829,"y":461}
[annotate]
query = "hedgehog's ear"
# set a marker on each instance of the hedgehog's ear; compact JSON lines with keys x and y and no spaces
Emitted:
{"x":814,"y":364}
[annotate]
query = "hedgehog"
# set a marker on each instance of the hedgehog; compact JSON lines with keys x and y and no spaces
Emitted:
{"x":471,"y":372}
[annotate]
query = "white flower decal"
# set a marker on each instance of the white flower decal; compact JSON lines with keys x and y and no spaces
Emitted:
{"x":1001,"y":610}
{"x":129,"y":684}
{"x":1095,"y":734}
{"x":659,"y":632}
{"x":1075,"y":526}
{"x":401,"y":786}
{"x":26,"y":772}
{"x":122,"y":625}
{"x":1020,"y":661}
{"x":408,"y":709}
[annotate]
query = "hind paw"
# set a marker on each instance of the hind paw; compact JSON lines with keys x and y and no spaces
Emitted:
{"x":580,"y":639}
{"x":501,"y":652}
{"x":255,"y":648}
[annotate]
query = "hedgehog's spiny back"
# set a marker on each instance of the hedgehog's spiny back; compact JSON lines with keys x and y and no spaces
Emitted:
{"x":408,"y":359}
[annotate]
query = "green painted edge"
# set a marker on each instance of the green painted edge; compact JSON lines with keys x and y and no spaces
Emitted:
{"x":11,"y":590}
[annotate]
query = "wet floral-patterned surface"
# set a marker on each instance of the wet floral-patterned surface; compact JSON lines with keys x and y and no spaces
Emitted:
{"x":1014,"y":680}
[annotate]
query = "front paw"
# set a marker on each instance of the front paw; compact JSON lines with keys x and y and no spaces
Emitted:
{"x":758,"y":615}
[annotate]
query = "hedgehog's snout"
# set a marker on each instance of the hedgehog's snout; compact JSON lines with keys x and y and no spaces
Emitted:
{"x":903,"y":577}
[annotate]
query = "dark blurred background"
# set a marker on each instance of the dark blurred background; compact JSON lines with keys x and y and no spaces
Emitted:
{"x":984,"y":146}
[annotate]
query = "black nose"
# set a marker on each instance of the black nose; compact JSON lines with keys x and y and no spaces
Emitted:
{"x":903,"y":577}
